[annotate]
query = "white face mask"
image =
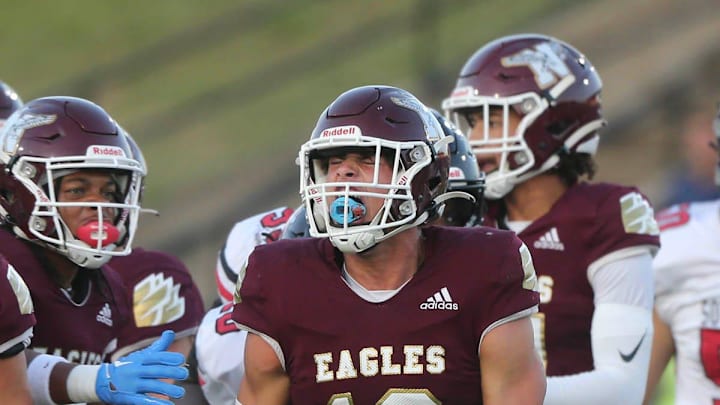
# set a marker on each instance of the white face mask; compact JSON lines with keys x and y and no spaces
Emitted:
{"x":97,"y":241}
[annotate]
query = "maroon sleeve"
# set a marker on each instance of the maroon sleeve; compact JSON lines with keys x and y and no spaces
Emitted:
{"x":511,"y":287}
{"x":162,"y":294}
{"x":252,"y":309}
{"x":625,"y":218}
{"x":16,"y":312}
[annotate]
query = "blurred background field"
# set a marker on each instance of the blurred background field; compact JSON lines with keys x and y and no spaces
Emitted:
{"x":221,"y":94}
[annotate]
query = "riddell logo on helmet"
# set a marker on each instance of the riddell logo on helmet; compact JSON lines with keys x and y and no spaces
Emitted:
{"x":343,"y":130}
{"x":456,"y":174}
{"x":101,"y":150}
{"x":462,"y":92}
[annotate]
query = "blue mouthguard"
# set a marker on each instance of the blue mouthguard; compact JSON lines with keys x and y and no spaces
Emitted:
{"x":356,"y":210}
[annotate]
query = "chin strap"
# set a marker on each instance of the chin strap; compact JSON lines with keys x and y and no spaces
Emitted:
{"x":421,"y":219}
{"x":454,"y":194}
{"x":150,"y":211}
{"x":443,"y":142}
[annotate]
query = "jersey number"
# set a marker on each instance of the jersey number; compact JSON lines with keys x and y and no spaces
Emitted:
{"x":224,"y":323}
{"x":272,"y":220}
{"x":392,"y":396}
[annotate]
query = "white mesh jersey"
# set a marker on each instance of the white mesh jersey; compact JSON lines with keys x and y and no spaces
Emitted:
{"x":242,"y":239}
{"x":687,"y":289}
{"x":220,"y":352}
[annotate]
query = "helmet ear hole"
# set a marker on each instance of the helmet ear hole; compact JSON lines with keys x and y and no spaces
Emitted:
{"x":558,"y":129}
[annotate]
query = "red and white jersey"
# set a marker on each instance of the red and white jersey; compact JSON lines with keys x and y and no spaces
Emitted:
{"x":16,"y":312}
{"x":220,"y":353}
{"x":163,"y":295}
{"x":244,"y":236}
{"x":687,"y":297}
{"x":420,"y":346}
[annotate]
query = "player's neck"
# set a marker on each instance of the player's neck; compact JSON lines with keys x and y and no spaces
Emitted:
{"x":64,"y":271}
{"x":388,"y":265}
{"x":534,"y":198}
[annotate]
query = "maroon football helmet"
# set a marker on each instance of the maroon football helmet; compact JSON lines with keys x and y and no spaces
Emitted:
{"x":9,"y":102}
{"x":549,"y":84}
{"x":388,"y":123}
{"x":47,"y":139}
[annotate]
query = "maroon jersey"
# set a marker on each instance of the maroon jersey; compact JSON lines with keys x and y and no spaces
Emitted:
{"x":82,"y":332}
{"x":587,"y":223}
{"x":164,"y":297}
{"x":16,"y":312}
{"x":421,"y":345}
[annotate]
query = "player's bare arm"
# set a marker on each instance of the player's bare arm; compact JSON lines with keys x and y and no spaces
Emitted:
{"x":265,"y":381}
{"x":13,"y":381}
{"x":663,"y":349}
{"x":511,"y":370}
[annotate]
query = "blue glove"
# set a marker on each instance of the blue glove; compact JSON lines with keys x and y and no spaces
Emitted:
{"x":130,"y":378}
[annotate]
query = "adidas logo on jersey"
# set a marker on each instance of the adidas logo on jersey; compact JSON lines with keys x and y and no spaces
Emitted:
{"x":440,"y":300}
{"x":105,"y":315}
{"x":550,"y":240}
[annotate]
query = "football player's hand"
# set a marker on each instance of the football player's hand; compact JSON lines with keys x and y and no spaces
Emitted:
{"x":128,"y":380}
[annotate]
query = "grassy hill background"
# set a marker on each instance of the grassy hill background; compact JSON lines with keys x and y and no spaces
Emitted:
{"x":221,"y":94}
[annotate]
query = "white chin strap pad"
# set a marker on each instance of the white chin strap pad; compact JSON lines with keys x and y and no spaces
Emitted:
{"x":356,"y":243}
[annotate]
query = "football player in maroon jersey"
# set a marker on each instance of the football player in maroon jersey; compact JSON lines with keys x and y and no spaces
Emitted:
{"x":377,"y":307}
{"x":69,"y":189}
{"x":66,"y":382}
{"x":530,"y":106}
{"x":69,"y":202}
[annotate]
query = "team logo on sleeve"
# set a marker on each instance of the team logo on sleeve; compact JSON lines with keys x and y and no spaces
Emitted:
{"x":157,"y":301}
{"x":530,"y":281}
{"x":637,"y":215}
{"x":22,"y":293}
